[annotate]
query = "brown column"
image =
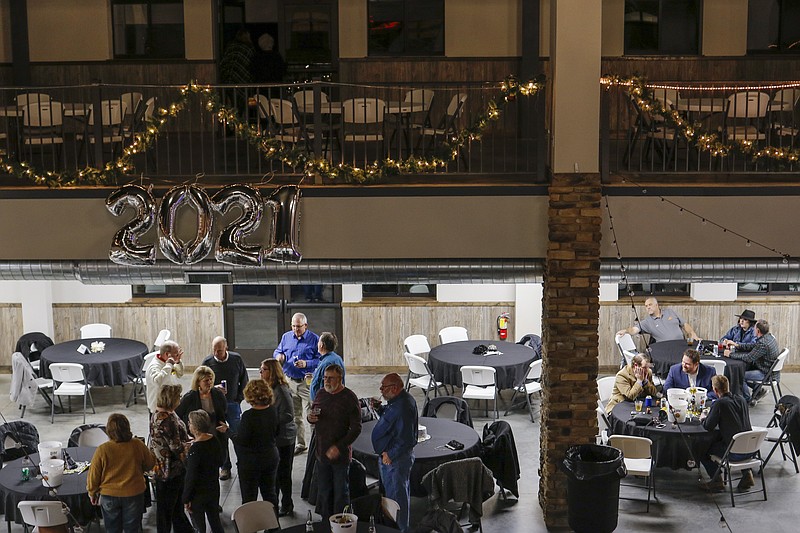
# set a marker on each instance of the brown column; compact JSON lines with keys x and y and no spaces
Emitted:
{"x":570,"y":317}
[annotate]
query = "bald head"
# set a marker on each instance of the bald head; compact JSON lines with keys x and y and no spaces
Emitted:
{"x":391,"y":385}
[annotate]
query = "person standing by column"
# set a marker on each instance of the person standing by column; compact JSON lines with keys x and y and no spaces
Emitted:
{"x":393,"y":439}
{"x":297,"y":352}
{"x":230,"y":375}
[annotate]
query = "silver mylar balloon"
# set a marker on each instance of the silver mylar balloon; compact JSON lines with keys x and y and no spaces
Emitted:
{"x":231,"y":248}
{"x":125,"y":247}
{"x":173,"y":248}
{"x":285,"y":225}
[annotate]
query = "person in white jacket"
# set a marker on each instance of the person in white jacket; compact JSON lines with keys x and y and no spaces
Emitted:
{"x":166,"y":368}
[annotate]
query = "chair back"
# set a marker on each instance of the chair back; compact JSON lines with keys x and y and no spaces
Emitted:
{"x":43,"y":115}
{"x":747,"y":441}
{"x":95,"y":331}
{"x":668,"y":97}
{"x":255,"y":516}
{"x":534,"y":370}
{"x":625,"y":342}
{"x":480,"y":376}
{"x":747,"y":104}
{"x":162,"y":337}
{"x":632,"y":447}
{"x":780,"y":361}
{"x":11,"y":433}
{"x":604,"y":388}
{"x":132,"y":101}
{"x":719,"y":366}
{"x":417,"y":344}
{"x":417,"y":364}
{"x":390,"y":507}
{"x":417,"y":96}
{"x":363,"y":111}
{"x":785,"y":99}
{"x":306,"y":97}
{"x":281,"y":112}
{"x":31,"y":98}
{"x":456,"y":105}
{"x":43,"y":513}
{"x":150,"y":108}
{"x":111,"y":112}
{"x":88,"y":435}
{"x":453,"y":334}
{"x":66,"y":372}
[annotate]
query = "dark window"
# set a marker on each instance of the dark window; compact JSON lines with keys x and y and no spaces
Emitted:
{"x":406,"y":27}
{"x":166,"y":291}
{"x":655,"y":289}
{"x":309,"y":30}
{"x":768,"y":288}
{"x":662,"y":27}
{"x":773,"y":26}
{"x":150,"y":29}
{"x":418,"y":290}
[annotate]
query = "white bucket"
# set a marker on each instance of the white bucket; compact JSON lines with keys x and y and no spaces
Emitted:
{"x":674,"y":395}
{"x":677,"y":411}
{"x":50,"y":449}
{"x":52,"y":472}
{"x":344,"y":527}
{"x":700,"y":395}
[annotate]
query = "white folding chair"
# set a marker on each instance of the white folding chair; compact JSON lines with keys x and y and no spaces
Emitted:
{"x":603,"y":426}
{"x":422,"y":375}
{"x":96,"y":331}
{"x":638,"y":457}
{"x":746,"y":442}
{"x":43,"y":513}
{"x":255,"y":516}
{"x":605,"y":387}
{"x":780,"y":438}
{"x":390,"y":507}
{"x":719,"y":366}
{"x":162,"y":337}
{"x":479,"y":384}
{"x":93,"y":436}
{"x":139,"y":382}
{"x":69,"y":380}
{"x":417,"y":345}
{"x":529,"y":386}
{"x":627,"y":348}
{"x":453,"y":334}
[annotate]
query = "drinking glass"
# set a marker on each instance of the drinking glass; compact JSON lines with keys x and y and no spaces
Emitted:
{"x":638,"y":405}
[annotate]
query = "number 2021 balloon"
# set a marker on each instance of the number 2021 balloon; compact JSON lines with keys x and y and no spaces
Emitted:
{"x":125,"y":247}
{"x":231,"y":248}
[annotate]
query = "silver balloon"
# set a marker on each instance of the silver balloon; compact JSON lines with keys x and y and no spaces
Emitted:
{"x":231,"y":248}
{"x":283,"y":236}
{"x":173,"y":248}
{"x":125,"y":247}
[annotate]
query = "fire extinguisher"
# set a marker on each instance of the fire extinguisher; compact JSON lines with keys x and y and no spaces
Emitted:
{"x":502,"y":325}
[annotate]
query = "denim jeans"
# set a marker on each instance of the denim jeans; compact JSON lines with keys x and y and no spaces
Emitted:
{"x":333,"y":488}
{"x":751,"y":375}
{"x":234,"y":416}
{"x":718,"y":449}
{"x":122,"y":514}
{"x":396,"y":482}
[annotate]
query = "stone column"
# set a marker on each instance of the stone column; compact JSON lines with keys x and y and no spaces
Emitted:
{"x":571,"y":307}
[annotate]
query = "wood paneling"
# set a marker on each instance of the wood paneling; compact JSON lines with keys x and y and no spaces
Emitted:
{"x":375,"y":332}
{"x":426,"y":70}
{"x":751,"y":68}
{"x":10,"y":331}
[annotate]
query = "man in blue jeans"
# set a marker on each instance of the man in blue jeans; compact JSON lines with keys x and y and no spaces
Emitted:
{"x":394,"y":438}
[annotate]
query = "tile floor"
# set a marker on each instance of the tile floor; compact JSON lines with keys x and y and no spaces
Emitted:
{"x":681,"y":505}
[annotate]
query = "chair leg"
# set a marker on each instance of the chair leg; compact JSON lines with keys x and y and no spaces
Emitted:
{"x":91,"y":401}
{"x":530,"y":406}
{"x":730,"y":487}
{"x":53,"y":410}
{"x":511,"y":403}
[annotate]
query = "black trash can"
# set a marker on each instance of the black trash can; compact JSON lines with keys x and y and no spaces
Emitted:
{"x":593,"y":474}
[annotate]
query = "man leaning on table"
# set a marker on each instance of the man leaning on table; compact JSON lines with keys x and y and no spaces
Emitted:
{"x":690,"y":372}
{"x":759,"y":356}
{"x":730,"y":414}
{"x":166,"y":368}
{"x":744,"y":330}
{"x":660,"y":324}
{"x":632,"y":381}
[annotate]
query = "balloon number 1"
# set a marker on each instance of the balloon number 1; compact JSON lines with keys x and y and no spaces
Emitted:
{"x":231,"y":247}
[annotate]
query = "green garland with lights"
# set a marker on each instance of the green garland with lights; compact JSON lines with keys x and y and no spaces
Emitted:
{"x":270,"y":147}
{"x":643,"y":97}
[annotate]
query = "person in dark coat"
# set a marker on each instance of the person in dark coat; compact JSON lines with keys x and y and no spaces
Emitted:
{"x":268,"y":65}
{"x":201,"y":487}
{"x":208,"y":398}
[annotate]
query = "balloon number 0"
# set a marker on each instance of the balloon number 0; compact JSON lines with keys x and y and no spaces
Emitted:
{"x":231,"y":248}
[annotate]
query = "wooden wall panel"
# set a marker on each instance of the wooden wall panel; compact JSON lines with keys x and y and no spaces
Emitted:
{"x":10,"y":331}
{"x":375,"y":332}
{"x":192,"y":325}
{"x":753,"y":68}
{"x":432,"y":70}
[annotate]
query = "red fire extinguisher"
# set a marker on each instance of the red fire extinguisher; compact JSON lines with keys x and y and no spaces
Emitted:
{"x":502,"y":325}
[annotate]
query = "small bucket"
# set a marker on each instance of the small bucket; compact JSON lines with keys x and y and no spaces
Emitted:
{"x":52,"y":472}
{"x":700,"y":395}
{"x":677,"y":411}
{"x":49,"y":449}
{"x":674,"y":395}
{"x":344,"y":523}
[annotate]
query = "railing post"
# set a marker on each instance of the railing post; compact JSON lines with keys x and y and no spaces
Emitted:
{"x":317,"y":88}
{"x":96,"y":115}
{"x":605,"y":136}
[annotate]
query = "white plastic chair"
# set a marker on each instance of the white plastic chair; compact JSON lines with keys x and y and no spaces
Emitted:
{"x":638,"y":457}
{"x":627,"y":348}
{"x":255,"y":516}
{"x":453,"y":334}
{"x":745,"y":116}
{"x":69,"y":380}
{"x":719,"y":366}
{"x":780,"y":438}
{"x":423,"y":377}
{"x":746,"y":442}
{"x":94,"y":437}
{"x":43,"y":513}
{"x":417,"y":345}
{"x":605,"y":387}
{"x":479,"y":384}
{"x":31,"y":98}
{"x":96,"y":331}
{"x":163,"y":336}
{"x":529,"y":386}
{"x":139,"y":382}
{"x":284,"y":124}
{"x":390,"y":507}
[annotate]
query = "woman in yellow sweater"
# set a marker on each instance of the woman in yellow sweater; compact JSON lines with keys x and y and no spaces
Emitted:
{"x":116,"y":477}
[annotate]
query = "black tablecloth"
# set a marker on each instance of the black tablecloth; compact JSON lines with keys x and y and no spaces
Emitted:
{"x":72,"y":491}
{"x":667,"y":353}
{"x":446,"y":361}
{"x":319,"y":527}
{"x":427,"y":455}
{"x":120,"y":362}
{"x":669,"y":443}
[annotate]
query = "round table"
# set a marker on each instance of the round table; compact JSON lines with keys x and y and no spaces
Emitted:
{"x":664,"y":354}
{"x":670,"y":442}
{"x":446,"y":361}
{"x":427,"y":454}
{"x":72,"y":491}
{"x":319,"y":527}
{"x":120,"y":362}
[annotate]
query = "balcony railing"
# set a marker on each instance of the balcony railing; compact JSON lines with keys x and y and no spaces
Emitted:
{"x":314,"y":129}
{"x":708,"y":128}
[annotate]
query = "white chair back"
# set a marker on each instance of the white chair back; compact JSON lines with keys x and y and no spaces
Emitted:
{"x":420,"y":96}
{"x":535,"y":370}
{"x":453,"y":334}
{"x":66,"y":372}
{"x":719,"y":366}
{"x":111,"y":112}
{"x":480,"y":376}
{"x":604,"y":388}
{"x":95,"y":331}
{"x":632,"y":447}
{"x":31,"y":98}
{"x":417,"y":344}
{"x":92,"y":437}
{"x":163,"y":336}
{"x":255,"y":516}
{"x":390,"y":507}
{"x":625,"y":342}
{"x":43,"y":514}
{"x":131,"y":100}
{"x":43,"y":114}
{"x":780,"y":361}
{"x":363,"y":110}
{"x":748,"y":441}
{"x":416,"y":364}
{"x":747,"y":104}
{"x":306,"y":98}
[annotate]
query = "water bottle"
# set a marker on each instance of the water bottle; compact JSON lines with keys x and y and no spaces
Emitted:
{"x":309,"y":524}
{"x":715,"y":349}
{"x":371,"y":524}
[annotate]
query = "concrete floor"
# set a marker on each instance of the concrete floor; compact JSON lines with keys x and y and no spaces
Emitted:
{"x":681,"y":505}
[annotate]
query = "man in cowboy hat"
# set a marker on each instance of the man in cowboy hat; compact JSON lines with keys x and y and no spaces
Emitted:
{"x":743,"y":332}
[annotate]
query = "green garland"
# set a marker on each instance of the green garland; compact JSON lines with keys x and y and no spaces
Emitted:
{"x":271,"y":148}
{"x":642,"y":95}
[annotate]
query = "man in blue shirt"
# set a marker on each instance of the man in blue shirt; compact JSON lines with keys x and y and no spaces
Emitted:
{"x":327,"y":356}
{"x":394,"y":438}
{"x":297,"y":352}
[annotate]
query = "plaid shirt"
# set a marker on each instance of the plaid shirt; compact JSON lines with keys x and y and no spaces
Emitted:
{"x":760,"y":355}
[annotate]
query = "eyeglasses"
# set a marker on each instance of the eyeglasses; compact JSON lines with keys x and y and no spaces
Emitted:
{"x":384,"y":387}
{"x":298,"y":326}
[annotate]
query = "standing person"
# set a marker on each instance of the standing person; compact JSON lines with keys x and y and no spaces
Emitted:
{"x":632,"y":381}
{"x":169,"y":441}
{"x":230,"y":375}
{"x":393,"y":439}
{"x":256,"y":451}
{"x":116,"y":477}
{"x":297,"y":352}
{"x":661,"y":324}
{"x":235,"y":68}
{"x":268,"y":64}
{"x":204,"y":395}
{"x":743,"y":331}
{"x":729,"y":413}
{"x":337,"y":418}
{"x":272,"y":373}
{"x":201,"y":489}
{"x":326,"y":346}
{"x":759,"y":356}
{"x":166,"y":368}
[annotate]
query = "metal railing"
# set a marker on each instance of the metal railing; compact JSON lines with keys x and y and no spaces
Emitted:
{"x":58,"y":129}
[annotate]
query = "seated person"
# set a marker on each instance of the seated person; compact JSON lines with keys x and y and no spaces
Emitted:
{"x":744,"y":331}
{"x":730,"y":414}
{"x":759,"y":356}
{"x":632,"y":381}
{"x":690,"y":372}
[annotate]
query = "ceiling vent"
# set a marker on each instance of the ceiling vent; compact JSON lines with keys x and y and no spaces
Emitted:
{"x":209,"y":278}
